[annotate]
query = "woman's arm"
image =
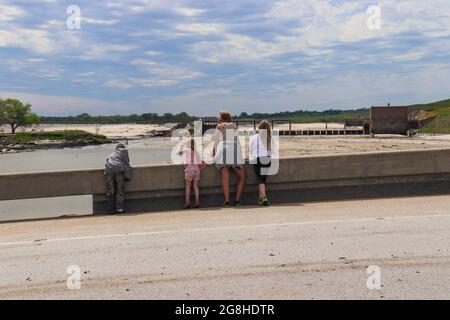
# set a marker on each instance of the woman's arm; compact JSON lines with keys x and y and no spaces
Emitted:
{"x":216,"y":138}
{"x":252,"y":147}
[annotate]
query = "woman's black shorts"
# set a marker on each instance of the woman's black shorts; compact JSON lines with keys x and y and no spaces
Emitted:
{"x":261,"y":162}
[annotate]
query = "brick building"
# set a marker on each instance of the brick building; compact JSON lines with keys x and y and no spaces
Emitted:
{"x":388,"y":120}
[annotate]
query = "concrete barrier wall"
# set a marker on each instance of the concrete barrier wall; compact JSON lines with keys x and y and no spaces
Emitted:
{"x":299,"y":179}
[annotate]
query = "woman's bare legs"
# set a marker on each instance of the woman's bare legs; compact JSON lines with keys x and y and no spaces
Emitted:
{"x":225,"y":175}
{"x":240,"y":185}
{"x":187,"y":193}
{"x":197,"y":193}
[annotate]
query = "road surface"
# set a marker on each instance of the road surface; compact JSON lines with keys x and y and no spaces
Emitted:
{"x":315,"y":250}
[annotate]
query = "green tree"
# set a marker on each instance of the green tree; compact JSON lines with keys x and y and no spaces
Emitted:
{"x":84,"y":118}
{"x":2,"y":113}
{"x":17,"y":114}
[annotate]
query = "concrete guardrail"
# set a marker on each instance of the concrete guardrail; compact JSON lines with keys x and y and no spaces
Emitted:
{"x":308,"y":178}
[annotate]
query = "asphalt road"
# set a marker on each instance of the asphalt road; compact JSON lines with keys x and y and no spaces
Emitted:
{"x":301,"y":251}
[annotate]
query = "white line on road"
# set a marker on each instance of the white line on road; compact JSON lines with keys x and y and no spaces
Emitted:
{"x":268,"y":225}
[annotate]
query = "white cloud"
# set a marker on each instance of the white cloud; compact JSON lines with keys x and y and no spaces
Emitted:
{"x":10,"y":13}
{"x":159,"y":75}
{"x":346,"y":21}
{"x":38,"y":41}
{"x":188,"y":12}
{"x":129,"y":83}
{"x":17,"y":65}
{"x":412,"y":55}
{"x":155,"y":82}
{"x":321,"y":24}
{"x":143,"y":62}
{"x":53,"y":23}
{"x":102,"y":51}
{"x":201,"y":28}
{"x":166,"y":71}
{"x":98,"y":21}
{"x":153,"y":53}
{"x":64,"y":105}
{"x":233,"y":48}
{"x":141,"y":6}
{"x":114,"y":83}
{"x":347,"y":90}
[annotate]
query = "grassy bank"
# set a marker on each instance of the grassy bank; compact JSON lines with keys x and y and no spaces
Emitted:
{"x":77,"y":136}
{"x":436,"y":116}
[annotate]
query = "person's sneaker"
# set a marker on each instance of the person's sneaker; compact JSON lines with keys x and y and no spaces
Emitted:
{"x":236,"y":203}
{"x":265,"y":201}
{"x":226,"y":204}
{"x":119,"y":211}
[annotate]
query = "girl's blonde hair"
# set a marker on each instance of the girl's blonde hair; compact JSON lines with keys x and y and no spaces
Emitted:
{"x":265,"y":133}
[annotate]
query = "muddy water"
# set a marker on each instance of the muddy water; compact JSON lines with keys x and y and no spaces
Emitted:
{"x":142,"y":152}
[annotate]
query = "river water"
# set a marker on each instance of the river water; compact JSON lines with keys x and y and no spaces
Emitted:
{"x":142,"y":152}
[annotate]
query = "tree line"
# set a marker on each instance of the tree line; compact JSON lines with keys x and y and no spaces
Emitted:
{"x":183,"y":117}
{"x":86,"y":118}
{"x":299,"y":114}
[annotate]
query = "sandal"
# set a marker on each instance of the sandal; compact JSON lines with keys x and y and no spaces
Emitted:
{"x":197,"y":204}
{"x":227,"y":204}
{"x":187,"y":205}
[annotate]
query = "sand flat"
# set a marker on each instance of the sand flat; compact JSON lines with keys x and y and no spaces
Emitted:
{"x":109,"y":130}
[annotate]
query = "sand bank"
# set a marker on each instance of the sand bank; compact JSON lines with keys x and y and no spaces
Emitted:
{"x":108,"y":130}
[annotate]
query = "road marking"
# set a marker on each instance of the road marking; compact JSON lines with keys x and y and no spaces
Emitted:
{"x":256,"y":226}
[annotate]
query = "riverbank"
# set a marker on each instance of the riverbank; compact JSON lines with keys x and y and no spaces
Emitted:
{"x":28,"y":141}
{"x":111,"y":131}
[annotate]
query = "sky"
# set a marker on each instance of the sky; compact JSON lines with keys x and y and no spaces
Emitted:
{"x":200,"y":57}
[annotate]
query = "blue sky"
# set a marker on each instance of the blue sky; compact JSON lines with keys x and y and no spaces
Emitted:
{"x":203,"y":56}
